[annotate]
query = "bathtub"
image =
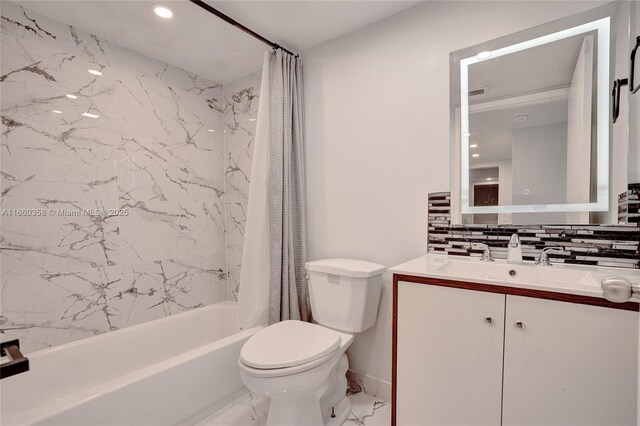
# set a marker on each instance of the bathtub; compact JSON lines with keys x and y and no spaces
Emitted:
{"x":175,"y":370}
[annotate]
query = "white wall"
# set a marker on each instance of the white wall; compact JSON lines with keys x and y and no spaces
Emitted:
{"x":377,"y":112}
{"x":535,"y":149}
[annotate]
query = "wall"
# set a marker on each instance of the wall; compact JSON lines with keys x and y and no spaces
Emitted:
{"x":535,"y":149}
{"x":377,"y":113}
{"x":149,"y":153}
{"x":240,"y":113}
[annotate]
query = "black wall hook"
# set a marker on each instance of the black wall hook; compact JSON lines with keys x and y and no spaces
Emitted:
{"x":615,"y":94}
{"x":632,"y":68}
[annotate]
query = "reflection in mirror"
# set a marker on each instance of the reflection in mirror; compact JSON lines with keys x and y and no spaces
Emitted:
{"x":533,"y":110}
{"x":532,"y":140}
{"x":530,"y":107}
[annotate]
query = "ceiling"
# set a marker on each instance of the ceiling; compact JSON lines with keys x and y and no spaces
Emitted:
{"x":202,"y":43}
{"x":492,"y":130}
{"x":531,"y":70}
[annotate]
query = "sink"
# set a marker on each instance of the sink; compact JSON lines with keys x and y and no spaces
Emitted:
{"x":505,"y":273}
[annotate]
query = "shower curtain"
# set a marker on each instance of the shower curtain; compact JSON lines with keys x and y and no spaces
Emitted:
{"x":272,"y":283}
{"x":288,"y":284}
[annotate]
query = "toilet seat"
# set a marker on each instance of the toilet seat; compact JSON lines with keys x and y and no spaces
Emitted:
{"x":286,"y":371}
{"x":288,"y":347}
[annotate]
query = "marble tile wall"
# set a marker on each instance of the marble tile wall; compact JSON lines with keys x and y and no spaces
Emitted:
{"x":118,"y":219}
{"x":240,"y":113}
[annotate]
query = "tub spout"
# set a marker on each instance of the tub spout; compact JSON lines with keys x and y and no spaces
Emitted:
{"x":17,"y":362}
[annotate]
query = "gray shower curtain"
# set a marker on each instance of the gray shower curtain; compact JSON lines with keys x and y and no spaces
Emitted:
{"x":288,"y":287}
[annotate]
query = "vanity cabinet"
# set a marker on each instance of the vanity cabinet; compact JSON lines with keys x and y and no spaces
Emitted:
{"x":468,"y":357}
{"x":568,"y":364}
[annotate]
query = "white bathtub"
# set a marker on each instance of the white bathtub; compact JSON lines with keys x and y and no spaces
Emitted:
{"x":175,"y":370}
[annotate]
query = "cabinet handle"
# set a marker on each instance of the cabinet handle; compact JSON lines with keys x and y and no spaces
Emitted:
{"x":519,"y":325}
{"x":488,"y":321}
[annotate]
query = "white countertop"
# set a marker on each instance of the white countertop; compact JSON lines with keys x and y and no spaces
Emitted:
{"x":586,"y":282}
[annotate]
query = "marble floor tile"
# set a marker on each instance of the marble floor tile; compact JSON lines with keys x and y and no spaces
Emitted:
{"x":368,"y":410}
{"x":251,"y":410}
{"x":248,"y":410}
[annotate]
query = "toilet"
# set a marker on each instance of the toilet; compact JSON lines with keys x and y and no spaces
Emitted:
{"x":302,"y":366}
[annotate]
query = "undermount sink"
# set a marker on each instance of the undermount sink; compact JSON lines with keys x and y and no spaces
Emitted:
{"x":518,"y":273}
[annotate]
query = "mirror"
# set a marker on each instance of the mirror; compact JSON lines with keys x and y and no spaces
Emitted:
{"x":531,"y":126}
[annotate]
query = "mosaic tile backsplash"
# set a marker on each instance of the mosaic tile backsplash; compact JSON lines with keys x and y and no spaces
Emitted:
{"x":601,"y":245}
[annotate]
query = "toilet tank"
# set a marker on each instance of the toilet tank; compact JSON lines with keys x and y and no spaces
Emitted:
{"x":344,"y":293}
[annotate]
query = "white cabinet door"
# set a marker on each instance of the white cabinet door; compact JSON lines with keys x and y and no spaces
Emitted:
{"x":449,"y":357}
{"x":569,"y":364}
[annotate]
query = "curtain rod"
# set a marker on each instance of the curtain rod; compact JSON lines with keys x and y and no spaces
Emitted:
{"x":238,"y":25}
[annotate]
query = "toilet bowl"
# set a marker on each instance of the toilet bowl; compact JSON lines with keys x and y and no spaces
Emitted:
{"x":302,"y":366}
{"x":302,"y":371}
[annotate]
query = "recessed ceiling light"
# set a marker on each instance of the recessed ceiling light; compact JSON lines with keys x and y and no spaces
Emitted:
{"x":483,"y":55}
{"x":95,"y":72}
{"x":56,"y":111}
{"x":473,"y":145}
{"x":210,"y":130}
{"x":475,"y":155}
{"x":252,"y":119}
{"x":70,"y":96}
{"x":88,"y":114}
{"x":162,"y":11}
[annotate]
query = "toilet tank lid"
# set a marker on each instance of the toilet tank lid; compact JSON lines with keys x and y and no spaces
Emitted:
{"x":346,"y":267}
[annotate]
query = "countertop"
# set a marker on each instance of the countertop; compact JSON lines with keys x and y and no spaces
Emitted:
{"x":431,"y":265}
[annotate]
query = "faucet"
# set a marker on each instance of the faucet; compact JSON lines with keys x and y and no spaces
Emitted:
{"x":515,"y":250}
{"x":486,"y":255}
{"x":544,"y":259}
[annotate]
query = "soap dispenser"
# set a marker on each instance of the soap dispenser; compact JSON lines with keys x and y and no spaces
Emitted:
{"x":515,"y":250}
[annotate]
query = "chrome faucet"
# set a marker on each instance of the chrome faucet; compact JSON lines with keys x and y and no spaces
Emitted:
{"x":486,"y":255}
{"x":544,"y":259}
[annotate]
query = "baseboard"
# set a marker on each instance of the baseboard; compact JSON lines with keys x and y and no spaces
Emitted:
{"x":361,"y":382}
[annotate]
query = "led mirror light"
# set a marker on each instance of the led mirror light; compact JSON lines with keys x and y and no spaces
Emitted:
{"x":602,"y":26}
{"x":162,"y":11}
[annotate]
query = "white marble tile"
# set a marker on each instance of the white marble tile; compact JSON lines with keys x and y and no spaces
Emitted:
{"x":150,"y":111}
{"x":159,"y":230}
{"x":252,"y":410}
{"x":240,"y":114}
{"x":157,"y":289}
{"x":248,"y":410}
{"x":149,"y":153}
{"x":60,"y":241}
{"x":21,"y":24}
{"x":368,"y":410}
{"x":48,"y":309}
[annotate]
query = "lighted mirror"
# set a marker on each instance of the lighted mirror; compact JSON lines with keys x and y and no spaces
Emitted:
{"x":531,"y":129}
{"x":527,"y":112}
